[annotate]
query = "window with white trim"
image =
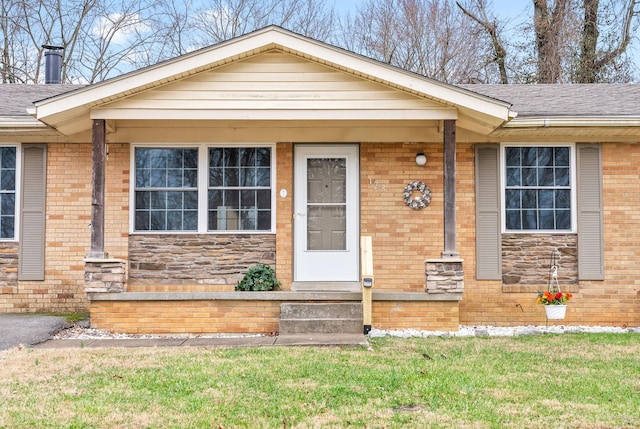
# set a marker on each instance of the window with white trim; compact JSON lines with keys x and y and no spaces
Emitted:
{"x":538,"y":188}
{"x":239,"y":189}
{"x":203,"y":189}
{"x":8,"y":176}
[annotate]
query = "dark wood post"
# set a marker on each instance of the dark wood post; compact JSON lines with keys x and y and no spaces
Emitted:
{"x":99,"y":152}
{"x":450,"y":190}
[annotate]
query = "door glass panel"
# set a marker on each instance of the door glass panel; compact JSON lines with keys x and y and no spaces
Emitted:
{"x":326,"y":203}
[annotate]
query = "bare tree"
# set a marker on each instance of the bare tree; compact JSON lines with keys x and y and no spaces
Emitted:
{"x":220,"y":20}
{"x":478,"y":13}
{"x":549,"y":22}
{"x":430,"y":37}
{"x":594,"y":58}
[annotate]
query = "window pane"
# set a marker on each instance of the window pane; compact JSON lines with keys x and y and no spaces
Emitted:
{"x":248,"y":199}
{"x":249,"y":219}
{"x":513,"y":220}
{"x":215,"y":199}
{"x":190,"y":200}
{"x":264,"y":199}
{"x":8,"y":158}
{"x":174,"y":178}
{"x":247,"y":156}
{"x":263,"y":157}
{"x":7,"y":226}
{"x":512,"y":199}
{"x":263,"y":177}
{"x":247,"y":177}
{"x":8,"y":196}
{"x":169,"y":175}
{"x":529,"y":198}
{"x":546,"y":199}
{"x":143,"y":178}
{"x":158,"y":200}
{"x":538,"y":194}
{"x":190,"y":178}
{"x":514,"y":176}
{"x":234,"y":197}
{"x":529,"y":176}
{"x":7,"y":204}
{"x":264,"y":220}
{"x":158,"y":178}
{"x":513,"y":156}
{"x":142,"y":221}
{"x":545,"y":157}
{"x":174,"y":221}
{"x":231,"y":177}
{"x":545,"y":177}
{"x":7,"y":180}
{"x":562,"y":177}
{"x":158,"y":221}
{"x":190,"y":220}
{"x":563,"y":199}
{"x":547,"y":219}
{"x":142,"y":200}
{"x":215,"y":157}
{"x":529,"y":156}
{"x":563,"y":219}
{"x":231,"y":157}
{"x":529,"y":219}
{"x":562,"y":156}
{"x":174,"y":200}
{"x":216,"y":176}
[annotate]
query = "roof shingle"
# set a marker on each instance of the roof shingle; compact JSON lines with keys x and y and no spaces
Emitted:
{"x":16,"y":98}
{"x":566,"y":100}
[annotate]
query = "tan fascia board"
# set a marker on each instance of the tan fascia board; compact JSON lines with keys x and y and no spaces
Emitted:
{"x":575,"y":121}
{"x":254,"y":43}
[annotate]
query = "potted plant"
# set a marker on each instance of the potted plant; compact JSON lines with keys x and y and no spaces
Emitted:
{"x":260,"y":277}
{"x":555,"y":303}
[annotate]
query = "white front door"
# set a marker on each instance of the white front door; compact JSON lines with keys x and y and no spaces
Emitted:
{"x":326,"y":212}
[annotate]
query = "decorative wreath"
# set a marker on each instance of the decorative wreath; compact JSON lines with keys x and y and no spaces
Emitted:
{"x":418,"y":202}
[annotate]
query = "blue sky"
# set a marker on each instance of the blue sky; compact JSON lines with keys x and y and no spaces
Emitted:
{"x":515,"y":11}
{"x":509,"y":8}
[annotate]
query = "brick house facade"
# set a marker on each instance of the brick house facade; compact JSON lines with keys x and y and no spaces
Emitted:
{"x":181,"y":279}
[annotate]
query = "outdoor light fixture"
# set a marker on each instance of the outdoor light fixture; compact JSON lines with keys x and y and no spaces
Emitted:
{"x":421,"y":159}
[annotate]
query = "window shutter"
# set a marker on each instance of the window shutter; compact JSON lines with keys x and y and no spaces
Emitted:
{"x":488,"y":236}
{"x":32,"y":219}
{"x":589,"y":193}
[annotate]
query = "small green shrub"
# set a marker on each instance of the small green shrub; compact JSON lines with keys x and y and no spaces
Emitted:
{"x":260,"y":277}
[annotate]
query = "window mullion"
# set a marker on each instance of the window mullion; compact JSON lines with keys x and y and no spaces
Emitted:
{"x":203,"y":188}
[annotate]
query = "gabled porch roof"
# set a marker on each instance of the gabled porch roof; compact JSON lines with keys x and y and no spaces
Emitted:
{"x":408,"y":97}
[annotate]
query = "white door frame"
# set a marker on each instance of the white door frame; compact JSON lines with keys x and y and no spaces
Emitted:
{"x":321,"y":265}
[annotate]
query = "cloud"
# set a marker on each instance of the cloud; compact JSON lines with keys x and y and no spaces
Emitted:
{"x":119,"y":27}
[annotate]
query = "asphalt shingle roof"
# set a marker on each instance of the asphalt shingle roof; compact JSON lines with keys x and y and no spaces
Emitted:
{"x":16,"y":98}
{"x":566,"y":100}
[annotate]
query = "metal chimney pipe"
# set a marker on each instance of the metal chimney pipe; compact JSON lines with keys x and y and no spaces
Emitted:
{"x":52,"y":64}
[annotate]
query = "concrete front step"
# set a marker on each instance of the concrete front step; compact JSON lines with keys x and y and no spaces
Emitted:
{"x":320,"y":318}
{"x":321,"y":310}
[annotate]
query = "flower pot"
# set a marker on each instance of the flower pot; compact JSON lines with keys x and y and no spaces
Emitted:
{"x":555,"y":312}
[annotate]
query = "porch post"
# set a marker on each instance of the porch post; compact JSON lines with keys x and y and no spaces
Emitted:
{"x":99,"y":152}
{"x":450,"y":190}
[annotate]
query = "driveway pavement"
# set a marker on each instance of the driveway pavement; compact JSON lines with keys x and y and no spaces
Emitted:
{"x":28,"y":329}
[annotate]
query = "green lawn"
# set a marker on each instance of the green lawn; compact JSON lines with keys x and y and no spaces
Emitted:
{"x":545,"y":381}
